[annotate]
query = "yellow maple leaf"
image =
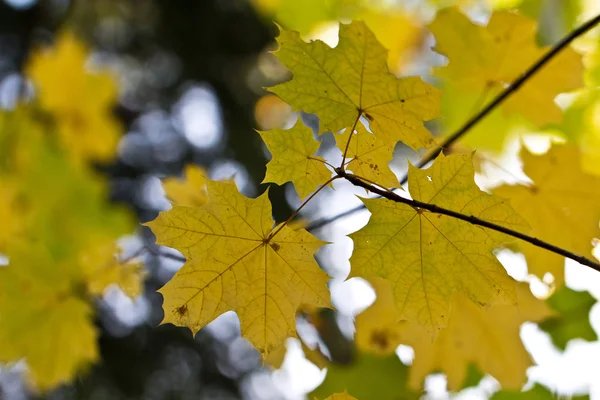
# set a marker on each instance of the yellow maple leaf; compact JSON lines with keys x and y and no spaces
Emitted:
{"x":235,"y":261}
{"x":41,"y":292}
{"x":486,"y":59}
{"x":79,"y":100}
{"x":377,"y":328}
{"x":429,"y":256}
{"x":294,"y":160}
{"x":561,"y":206}
{"x":190,"y":190}
{"x":103,"y":269}
{"x":370,"y":156}
{"x":489,"y":339}
{"x":353,"y":80}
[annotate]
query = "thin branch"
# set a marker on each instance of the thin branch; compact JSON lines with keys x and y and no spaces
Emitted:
{"x":470,"y":219}
{"x":564,"y":42}
{"x":321,"y":161}
{"x":348,"y":142}
{"x":295,"y":213}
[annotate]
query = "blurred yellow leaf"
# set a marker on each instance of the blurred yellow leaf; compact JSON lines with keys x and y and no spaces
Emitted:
{"x":428,"y":256}
{"x":294,"y":160}
{"x":65,"y":233}
{"x":103,"y":269}
{"x":352,"y":80}
{"x":305,"y":15}
{"x":190,"y":190}
{"x":45,"y":316}
{"x":484,"y":60}
{"x":487,"y":338}
{"x":237,"y":261}
{"x":377,"y":328}
{"x":398,"y":32}
{"x":561,"y":205}
{"x":80,"y":100}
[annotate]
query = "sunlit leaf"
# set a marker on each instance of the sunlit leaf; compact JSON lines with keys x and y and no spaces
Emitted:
{"x":353,"y":80}
{"x":234,"y":264}
{"x":428,"y":256}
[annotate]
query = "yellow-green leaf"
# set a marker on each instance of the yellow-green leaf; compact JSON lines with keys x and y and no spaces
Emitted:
{"x":294,"y":160}
{"x":352,"y":80}
{"x":561,"y":205}
{"x":572,"y":319}
{"x":233,"y":263}
{"x":428,"y":256}
{"x":103,"y":269}
{"x":61,"y":252}
{"x":44,"y":316}
{"x":377,"y":328}
{"x":489,"y":339}
{"x":490,"y":58}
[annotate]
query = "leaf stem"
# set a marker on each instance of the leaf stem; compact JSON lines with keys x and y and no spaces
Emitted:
{"x":513,"y":87}
{"x":333,"y":178}
{"x":470,"y":219}
{"x":320,"y":160}
{"x":343,"y":164}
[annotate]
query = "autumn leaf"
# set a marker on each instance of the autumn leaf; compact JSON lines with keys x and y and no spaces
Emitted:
{"x":367,"y":377}
{"x":42,"y":291}
{"x":487,"y":338}
{"x":572,"y":318}
{"x":488,"y":58}
{"x":79,"y":100}
{"x":190,"y":190}
{"x":294,"y":160}
{"x":237,"y":261}
{"x":103,"y":269}
{"x":377,"y":327}
{"x":561,"y":205}
{"x":369,"y":156}
{"x":61,"y":257}
{"x":352,"y":80}
{"x":475,"y":338}
{"x":427,"y":256}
